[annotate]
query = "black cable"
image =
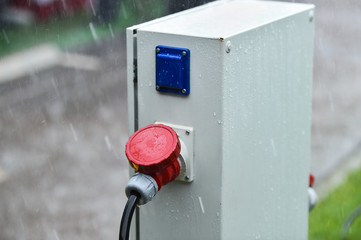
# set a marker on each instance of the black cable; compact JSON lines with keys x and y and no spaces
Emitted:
{"x":356,"y":213}
{"x":137,"y":227}
{"x":127,"y":216}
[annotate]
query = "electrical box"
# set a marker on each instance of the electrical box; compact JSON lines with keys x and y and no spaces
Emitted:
{"x":239,"y":75}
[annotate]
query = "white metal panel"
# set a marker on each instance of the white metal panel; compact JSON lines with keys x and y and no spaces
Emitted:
{"x":225,"y":18}
{"x":250,"y":110}
{"x":266,"y":131}
{"x":185,"y":210}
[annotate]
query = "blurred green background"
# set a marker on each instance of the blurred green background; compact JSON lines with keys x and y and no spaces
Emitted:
{"x":327,"y":218}
{"x":79,"y":29}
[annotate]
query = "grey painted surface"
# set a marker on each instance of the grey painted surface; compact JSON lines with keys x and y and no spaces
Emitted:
{"x":240,"y":191}
{"x":156,"y":107}
{"x":266,"y":130}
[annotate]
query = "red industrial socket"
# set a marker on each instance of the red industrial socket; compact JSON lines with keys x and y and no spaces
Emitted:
{"x":154,"y":150}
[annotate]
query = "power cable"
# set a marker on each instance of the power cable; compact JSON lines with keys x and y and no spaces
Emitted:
{"x":127,"y":215}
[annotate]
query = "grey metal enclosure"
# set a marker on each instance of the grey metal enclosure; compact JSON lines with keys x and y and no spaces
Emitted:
{"x":248,"y":111}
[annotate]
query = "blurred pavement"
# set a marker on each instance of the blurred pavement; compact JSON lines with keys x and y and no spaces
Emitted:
{"x":63,"y":132}
{"x":336,"y":129}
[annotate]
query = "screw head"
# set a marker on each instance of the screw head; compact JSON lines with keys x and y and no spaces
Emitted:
{"x":157,"y":50}
{"x":184,"y":90}
{"x":187,"y":132}
{"x":158,"y":87}
{"x":228,"y":47}
{"x":311,"y":15}
{"x":187,"y":178}
{"x":184,"y":53}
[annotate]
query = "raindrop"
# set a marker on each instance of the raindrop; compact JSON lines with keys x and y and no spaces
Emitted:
{"x":6,"y":37}
{"x":273,"y":147}
{"x":10,"y":112}
{"x":55,"y":85}
{"x":201,"y":204}
{"x":56,"y":235}
{"x":107,"y":142}
{"x":111,"y":30}
{"x":124,"y":11}
{"x":342,"y":212}
{"x":92,"y":7}
{"x":75,"y":136}
{"x":92,"y":29}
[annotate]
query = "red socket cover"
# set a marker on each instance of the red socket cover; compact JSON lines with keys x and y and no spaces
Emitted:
{"x":154,"y":150}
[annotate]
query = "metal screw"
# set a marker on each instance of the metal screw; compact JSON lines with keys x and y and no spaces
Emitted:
{"x":228,"y":47}
{"x":184,"y":90}
{"x":187,"y":132}
{"x":158,"y":87}
{"x":184,"y":53}
{"x":187,"y":178}
{"x":311,"y":15}
{"x":158,"y":50}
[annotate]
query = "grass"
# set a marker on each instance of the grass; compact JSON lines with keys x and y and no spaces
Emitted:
{"x":71,"y":31}
{"x":327,"y":219}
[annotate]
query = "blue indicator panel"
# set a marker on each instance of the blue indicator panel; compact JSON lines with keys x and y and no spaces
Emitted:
{"x":172,"y":70}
